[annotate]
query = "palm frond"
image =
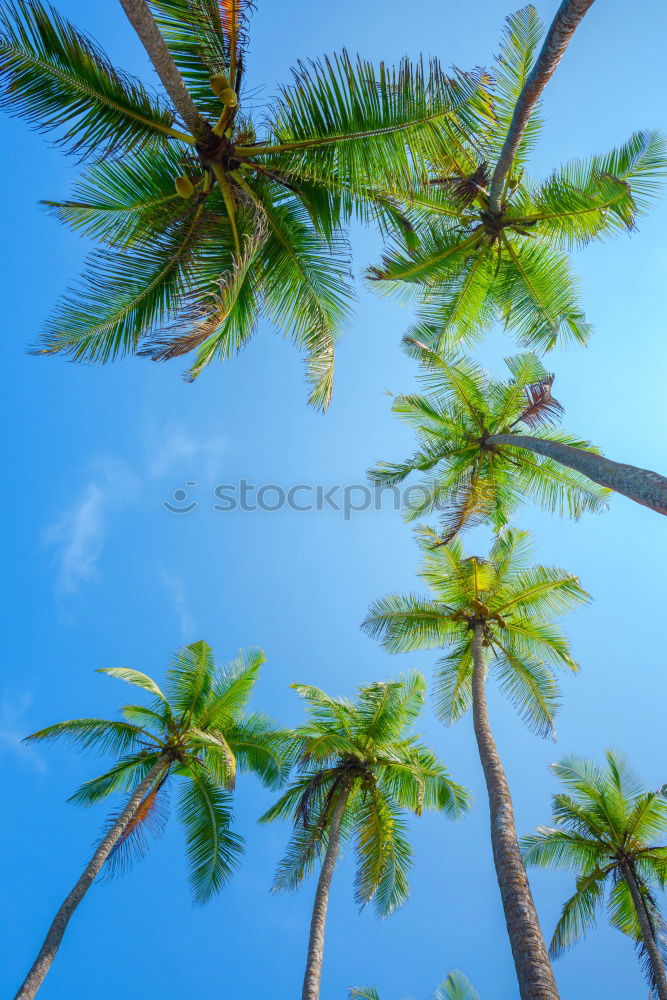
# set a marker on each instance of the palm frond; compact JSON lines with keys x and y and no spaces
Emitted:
{"x":213,"y":849}
{"x":62,"y":83}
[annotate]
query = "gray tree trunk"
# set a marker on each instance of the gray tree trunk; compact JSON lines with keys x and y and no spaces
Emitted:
{"x":563,"y":26}
{"x":641,"y":485}
{"x":141,"y":18}
{"x":47,"y":952}
{"x":648,"y":933}
{"x":315,"y":959}
{"x":531,"y":960}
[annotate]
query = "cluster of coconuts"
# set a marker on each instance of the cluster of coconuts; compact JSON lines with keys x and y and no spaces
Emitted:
{"x":228,"y":97}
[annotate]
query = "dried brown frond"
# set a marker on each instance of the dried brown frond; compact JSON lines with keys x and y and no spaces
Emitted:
{"x":541,"y":407}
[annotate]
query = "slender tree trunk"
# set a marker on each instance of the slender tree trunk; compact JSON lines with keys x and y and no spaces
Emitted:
{"x":648,"y":932}
{"x":533,"y":969}
{"x":141,"y":18}
{"x":47,"y":952}
{"x":315,"y":959}
{"x":641,"y":485}
{"x":563,"y":26}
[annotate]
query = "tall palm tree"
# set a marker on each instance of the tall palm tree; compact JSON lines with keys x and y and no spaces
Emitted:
{"x":196,"y":730}
{"x":493,"y":243}
{"x":456,"y":986}
{"x":487,"y":445}
{"x":360,"y":768}
{"x":204,"y":219}
{"x":605,"y":830}
{"x":492,"y":614}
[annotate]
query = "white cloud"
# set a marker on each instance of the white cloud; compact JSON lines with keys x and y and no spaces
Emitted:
{"x":77,"y":537}
{"x":169,"y":447}
{"x":179,"y":598}
{"x":13,"y":729}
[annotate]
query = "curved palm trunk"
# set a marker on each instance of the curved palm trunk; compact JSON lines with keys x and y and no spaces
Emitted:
{"x":533,"y":969}
{"x":315,"y":959}
{"x":141,"y":18}
{"x":563,"y":26}
{"x":47,"y":952}
{"x":648,"y":931}
{"x":641,"y":485}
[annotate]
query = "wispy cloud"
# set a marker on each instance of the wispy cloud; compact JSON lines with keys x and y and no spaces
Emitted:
{"x":177,"y":592}
{"x":169,"y":447}
{"x":13,"y":729}
{"x":77,"y":537}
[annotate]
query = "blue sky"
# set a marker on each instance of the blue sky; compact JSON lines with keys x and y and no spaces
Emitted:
{"x":100,"y":573}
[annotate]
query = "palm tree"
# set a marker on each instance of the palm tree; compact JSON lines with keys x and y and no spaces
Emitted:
{"x":492,"y":613}
{"x":605,"y":829}
{"x":481,"y":465}
{"x":456,"y":986}
{"x":197,"y":730}
{"x":360,"y":768}
{"x":494,"y":243}
{"x":203,"y":219}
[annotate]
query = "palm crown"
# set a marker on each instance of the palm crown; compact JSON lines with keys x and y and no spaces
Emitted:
{"x":253,"y":223}
{"x":605,"y":830}
{"x":196,"y":730}
{"x":471,"y":479}
{"x":365,"y":754}
{"x":474,"y":266}
{"x":512,"y":602}
{"x":456,"y":986}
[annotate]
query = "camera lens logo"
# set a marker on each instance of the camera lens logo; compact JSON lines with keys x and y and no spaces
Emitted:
{"x":178,"y":504}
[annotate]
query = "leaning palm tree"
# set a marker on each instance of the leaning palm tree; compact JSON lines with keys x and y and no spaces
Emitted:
{"x":493,"y":242}
{"x":605,"y":830}
{"x":492,"y":614}
{"x":487,"y":445}
{"x":360,"y":768}
{"x":205,"y":219}
{"x":196,"y":730}
{"x":456,"y":986}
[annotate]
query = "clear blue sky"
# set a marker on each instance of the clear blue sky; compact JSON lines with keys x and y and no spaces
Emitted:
{"x":98,"y":573}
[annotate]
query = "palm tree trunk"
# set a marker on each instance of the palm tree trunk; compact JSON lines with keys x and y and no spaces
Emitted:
{"x":47,"y":952}
{"x":141,"y":18}
{"x":315,"y":959}
{"x":563,"y":26}
{"x":533,"y":969}
{"x":647,"y":929}
{"x":641,"y":485}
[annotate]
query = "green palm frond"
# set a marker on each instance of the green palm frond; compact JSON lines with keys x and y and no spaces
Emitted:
{"x":193,"y":31}
{"x":124,"y":297}
{"x":384,"y":855}
{"x":521,"y":37}
{"x":579,"y":912}
{"x":102,"y":735}
{"x":213,"y":849}
{"x":346,"y":120}
{"x":63,"y":84}
{"x":121,"y":201}
{"x":456,"y":986}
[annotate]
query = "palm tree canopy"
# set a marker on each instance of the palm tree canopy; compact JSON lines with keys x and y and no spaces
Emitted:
{"x":456,"y":986}
{"x":365,"y":750}
{"x":469,"y":478}
{"x":514,"y":603}
{"x":473,"y":267}
{"x":199,"y":729}
{"x":253,"y":223}
{"x":605,"y":819}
